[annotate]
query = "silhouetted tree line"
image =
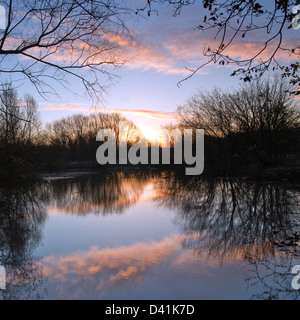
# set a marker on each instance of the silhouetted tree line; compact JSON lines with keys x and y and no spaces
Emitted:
{"x":73,"y":139}
{"x":26,"y":147}
{"x":19,"y":128}
{"x":248,"y":129}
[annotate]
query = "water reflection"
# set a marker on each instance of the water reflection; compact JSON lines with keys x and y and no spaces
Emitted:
{"x":22,"y":215}
{"x":98,"y":194}
{"x":270,"y":277}
{"x":23,"y":212}
{"x":93,"y":272}
{"x":237,"y":220}
{"x":216,"y":223}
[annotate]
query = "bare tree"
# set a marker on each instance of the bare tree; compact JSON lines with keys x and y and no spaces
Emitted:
{"x":48,"y":41}
{"x":19,"y":134}
{"x":19,"y":120}
{"x":78,"y":128}
{"x":255,"y":116}
{"x":31,"y":119}
{"x":235,"y":21}
{"x":9,"y":115}
{"x":263,"y":104}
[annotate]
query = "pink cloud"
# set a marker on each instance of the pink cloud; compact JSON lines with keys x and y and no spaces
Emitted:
{"x":165,"y":49}
{"x":145,"y":55}
{"x":101,"y":269}
{"x":148,"y":113}
{"x":66,"y":107}
{"x":116,"y":264}
{"x":161,"y":115}
{"x":171,"y":52}
{"x":191,"y":46}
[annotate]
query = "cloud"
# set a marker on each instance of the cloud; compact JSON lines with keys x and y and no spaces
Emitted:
{"x":191,"y":48}
{"x":143,"y":54}
{"x":167,"y":51}
{"x":171,"y":51}
{"x":80,"y":107}
{"x":94,"y":271}
{"x":162,"y":45}
{"x":67,"y":107}
{"x":114,"y":264}
{"x":160,"y":115}
{"x":246,"y":50}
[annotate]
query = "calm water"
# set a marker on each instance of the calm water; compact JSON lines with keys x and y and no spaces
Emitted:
{"x":149,"y":236}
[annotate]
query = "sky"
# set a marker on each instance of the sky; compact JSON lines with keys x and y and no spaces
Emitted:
{"x":147,"y":91}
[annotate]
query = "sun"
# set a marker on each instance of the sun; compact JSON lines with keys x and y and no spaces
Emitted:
{"x":151,"y":134}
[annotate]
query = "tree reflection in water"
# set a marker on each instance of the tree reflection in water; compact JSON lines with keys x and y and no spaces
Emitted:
{"x":256,"y":223}
{"x":98,"y":193}
{"x":23,"y":211}
{"x":22,"y":215}
{"x":227,"y":220}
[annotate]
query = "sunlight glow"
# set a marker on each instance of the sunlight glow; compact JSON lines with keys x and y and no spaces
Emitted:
{"x":151,"y":134}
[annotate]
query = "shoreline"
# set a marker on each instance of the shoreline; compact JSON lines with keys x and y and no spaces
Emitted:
{"x":276,"y":174}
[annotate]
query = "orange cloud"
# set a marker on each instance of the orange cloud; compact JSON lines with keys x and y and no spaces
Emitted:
{"x":247,"y":50}
{"x":168,"y":52}
{"x":186,"y":49}
{"x":92,"y":272}
{"x":145,"y":55}
{"x":67,"y":107}
{"x":148,"y":113}
{"x":191,"y":47}
{"x":101,"y":269}
{"x":116,"y":264}
{"x":161,"y":115}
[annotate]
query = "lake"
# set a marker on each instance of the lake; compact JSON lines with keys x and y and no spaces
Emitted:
{"x":149,"y":235}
